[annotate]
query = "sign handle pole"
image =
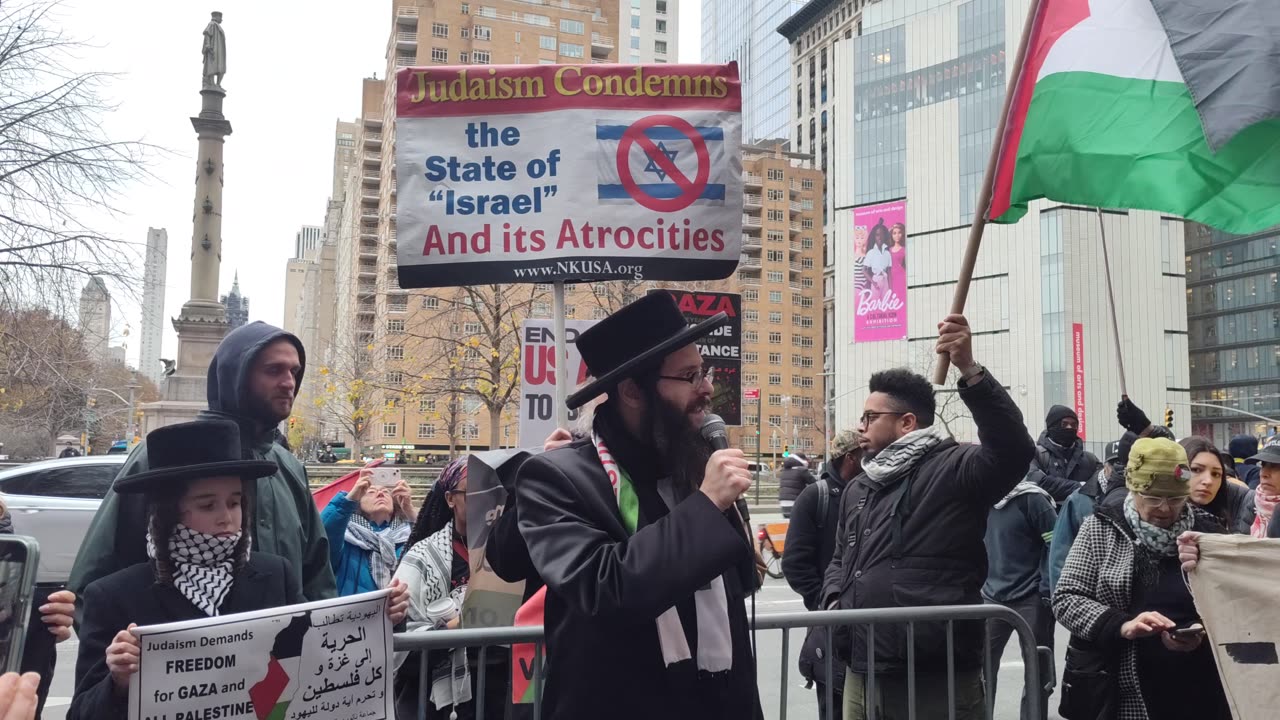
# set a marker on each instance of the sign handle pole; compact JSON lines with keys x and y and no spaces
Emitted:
{"x":984,"y":196}
{"x":759,"y":439}
{"x":562,"y":356}
{"x":1111,"y":304}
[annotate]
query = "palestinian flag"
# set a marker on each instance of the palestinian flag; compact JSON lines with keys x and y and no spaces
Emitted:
{"x":1166,"y":105}
{"x":272,"y":694}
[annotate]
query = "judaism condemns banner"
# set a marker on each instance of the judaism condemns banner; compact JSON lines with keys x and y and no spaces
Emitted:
{"x":325,"y":659}
{"x":880,"y":272}
{"x":535,"y":173}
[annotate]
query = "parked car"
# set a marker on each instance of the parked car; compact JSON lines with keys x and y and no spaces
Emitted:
{"x":54,"y":501}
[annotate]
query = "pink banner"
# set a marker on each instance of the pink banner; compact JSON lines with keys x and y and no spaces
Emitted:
{"x":1077,"y":365}
{"x":880,"y":272}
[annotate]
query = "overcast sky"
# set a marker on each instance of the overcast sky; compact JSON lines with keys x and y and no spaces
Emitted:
{"x":293,"y":69}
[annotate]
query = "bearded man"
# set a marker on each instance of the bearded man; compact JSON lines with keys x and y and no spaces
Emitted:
{"x":635,"y":533}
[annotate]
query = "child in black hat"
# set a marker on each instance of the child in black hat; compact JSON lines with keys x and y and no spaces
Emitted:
{"x":199,"y":496}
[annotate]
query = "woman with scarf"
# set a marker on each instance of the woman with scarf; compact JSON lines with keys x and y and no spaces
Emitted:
{"x":200,"y":498}
{"x":1212,"y":489}
{"x":368,"y":529}
{"x":1122,"y":594}
{"x":436,"y":567}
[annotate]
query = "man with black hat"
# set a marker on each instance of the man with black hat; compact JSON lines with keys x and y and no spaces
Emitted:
{"x":1062,"y":464}
{"x":634,"y":532}
{"x":252,"y":381}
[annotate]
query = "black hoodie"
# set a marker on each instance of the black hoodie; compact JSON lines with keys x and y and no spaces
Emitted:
{"x":286,"y":522}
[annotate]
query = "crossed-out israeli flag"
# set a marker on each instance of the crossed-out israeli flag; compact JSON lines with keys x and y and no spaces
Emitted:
{"x":662,"y":161}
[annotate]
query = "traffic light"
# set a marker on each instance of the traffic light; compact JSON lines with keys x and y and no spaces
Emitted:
{"x":786,"y":451}
{"x":292,"y":421}
{"x":1168,"y":417}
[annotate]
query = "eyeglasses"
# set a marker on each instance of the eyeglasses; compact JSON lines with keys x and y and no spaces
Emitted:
{"x":1156,"y":502}
{"x":871,"y":416}
{"x":693,"y":377}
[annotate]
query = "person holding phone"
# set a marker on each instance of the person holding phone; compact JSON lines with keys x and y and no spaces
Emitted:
{"x":368,"y":527}
{"x":1134,"y":650}
{"x":199,"y":497}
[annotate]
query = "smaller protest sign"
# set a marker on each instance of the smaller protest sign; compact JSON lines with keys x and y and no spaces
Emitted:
{"x":491,"y":601}
{"x":326,"y":659}
{"x":721,"y":350}
{"x":538,"y":376}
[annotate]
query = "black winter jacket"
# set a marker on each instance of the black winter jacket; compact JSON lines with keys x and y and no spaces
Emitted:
{"x":1061,"y":471}
{"x":1233,"y":507}
{"x":938,"y":514}
{"x":811,"y":540}
{"x":794,"y":479}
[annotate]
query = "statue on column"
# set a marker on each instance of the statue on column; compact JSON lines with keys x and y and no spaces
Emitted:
{"x":215,"y":53}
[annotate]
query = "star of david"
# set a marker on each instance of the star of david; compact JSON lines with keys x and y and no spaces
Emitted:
{"x":653,"y":166}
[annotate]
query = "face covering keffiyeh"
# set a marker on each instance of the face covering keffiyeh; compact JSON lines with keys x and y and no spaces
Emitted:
{"x":1264,"y":506}
{"x":380,"y":544}
{"x":203,"y":565}
{"x":715,"y":644}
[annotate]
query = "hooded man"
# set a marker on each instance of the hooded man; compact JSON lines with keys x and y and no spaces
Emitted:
{"x":1242,"y":449}
{"x":795,"y":477}
{"x":811,"y":541}
{"x":1062,"y":464}
{"x":252,"y":381}
{"x":634,"y":531}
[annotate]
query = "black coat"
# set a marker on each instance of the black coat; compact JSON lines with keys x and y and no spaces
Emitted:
{"x":132,"y":595}
{"x":1062,"y":471}
{"x":1233,"y":507}
{"x":811,"y":541}
{"x":605,"y":590}
{"x":795,"y":477}
{"x":938,"y":557}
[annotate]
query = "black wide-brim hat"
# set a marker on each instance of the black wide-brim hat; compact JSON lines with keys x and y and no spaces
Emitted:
{"x":192,"y":451}
{"x":635,"y":339}
{"x":1270,"y":453}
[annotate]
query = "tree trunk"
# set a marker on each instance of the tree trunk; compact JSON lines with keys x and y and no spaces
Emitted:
{"x":495,"y":429}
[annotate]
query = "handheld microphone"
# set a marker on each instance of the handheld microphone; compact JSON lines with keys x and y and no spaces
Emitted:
{"x":713,"y":432}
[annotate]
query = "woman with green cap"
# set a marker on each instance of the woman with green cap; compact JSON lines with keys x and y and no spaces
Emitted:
{"x":1135,"y":652}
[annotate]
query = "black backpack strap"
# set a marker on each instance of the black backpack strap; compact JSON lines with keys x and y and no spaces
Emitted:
{"x":824,"y":501}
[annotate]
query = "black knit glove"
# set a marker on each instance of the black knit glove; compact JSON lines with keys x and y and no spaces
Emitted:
{"x":1131,"y":417}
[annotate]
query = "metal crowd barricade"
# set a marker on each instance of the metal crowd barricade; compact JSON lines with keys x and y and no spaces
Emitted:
{"x":1033,"y":657}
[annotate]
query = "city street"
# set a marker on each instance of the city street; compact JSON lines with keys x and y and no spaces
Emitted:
{"x":776,"y":597}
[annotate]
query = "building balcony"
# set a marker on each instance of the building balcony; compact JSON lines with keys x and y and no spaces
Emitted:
{"x":749,"y":262}
{"x":752,"y":202}
{"x":795,"y":228}
{"x":372,"y":161}
{"x":406,"y":40}
{"x":369,"y":250}
{"x":751,"y":243}
{"x":751,"y":280}
{"x":404,"y":60}
{"x":795,"y":267}
{"x":365,"y":308}
{"x":601,"y":45}
{"x":369,"y":217}
{"x":372,"y":123}
{"x":795,"y":206}
{"x":373,"y":140}
{"x":407,"y":16}
{"x":369,"y":199}
{"x":369,"y":180}
{"x":368,"y":270}
{"x":752,"y":180}
{"x":752,"y":221}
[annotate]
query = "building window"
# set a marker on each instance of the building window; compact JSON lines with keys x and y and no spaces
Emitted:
{"x":775,"y":338}
{"x":750,"y":336}
{"x":390,"y":430}
{"x":471,"y":328}
{"x":776,"y":216}
{"x":775,"y":256}
{"x":395,"y":377}
{"x":439,"y":55}
{"x":775,"y":237}
{"x":464,"y":32}
{"x":517,"y":38}
{"x":571,"y":50}
{"x":660,"y":47}
{"x":806,"y":184}
{"x":398,"y":303}
{"x":635,"y":21}
{"x":546,"y":42}
{"x":750,"y":316}
{"x":466,"y":8}
{"x":440,"y":30}
{"x":469,"y":431}
{"x":660,"y":26}
{"x":775,"y":378}
{"x":395,"y":352}
{"x":661,"y":7}
{"x":751,"y":295}
{"x":572,"y":27}
{"x":426,"y":404}
{"x":777,"y":174}
{"x":539,"y":20}
{"x":395,"y":327}
{"x":751,"y":357}
{"x":480,"y":57}
{"x":775,"y":399}
{"x":775,"y":296}
{"x":598,"y":313}
{"x":426,"y":431}
{"x":774,"y":276}
{"x":776,"y":195}
{"x":635,"y":45}
{"x":464,"y":58}
{"x":541,"y":309}
{"x":482,"y":32}
{"x":430,"y":303}
{"x":775,"y":318}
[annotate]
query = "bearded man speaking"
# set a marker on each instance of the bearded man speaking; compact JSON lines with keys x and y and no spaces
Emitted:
{"x":633,"y":529}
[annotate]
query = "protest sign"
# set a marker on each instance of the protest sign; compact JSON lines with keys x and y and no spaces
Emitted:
{"x":538,"y":173}
{"x":721,"y":350}
{"x":538,"y":376}
{"x":1234,"y":586}
{"x":491,"y":601}
{"x":880,"y":272}
{"x":327,"y":659}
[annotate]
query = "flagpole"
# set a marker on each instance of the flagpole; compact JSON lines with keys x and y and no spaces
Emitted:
{"x":1111,"y":303}
{"x":984,"y":196}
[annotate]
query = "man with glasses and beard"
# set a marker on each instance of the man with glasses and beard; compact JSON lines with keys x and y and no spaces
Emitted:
{"x":634,"y":531}
{"x":911,"y":534}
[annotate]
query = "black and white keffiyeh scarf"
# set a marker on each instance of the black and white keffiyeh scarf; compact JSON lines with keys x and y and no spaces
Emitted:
{"x":895,"y":461}
{"x":380,"y":543}
{"x":203,"y":565}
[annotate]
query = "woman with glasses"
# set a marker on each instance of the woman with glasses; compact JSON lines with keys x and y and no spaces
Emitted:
{"x":1137,"y":650}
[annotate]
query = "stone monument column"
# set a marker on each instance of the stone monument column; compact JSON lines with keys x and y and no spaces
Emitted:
{"x":202,"y":323}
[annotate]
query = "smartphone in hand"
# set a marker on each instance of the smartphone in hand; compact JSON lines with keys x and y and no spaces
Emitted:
{"x":1188,"y":632}
{"x":383,"y":476}
{"x":19,"y":559}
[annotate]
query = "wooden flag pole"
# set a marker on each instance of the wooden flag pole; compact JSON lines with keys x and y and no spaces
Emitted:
{"x":984,"y":196}
{"x":1111,"y":304}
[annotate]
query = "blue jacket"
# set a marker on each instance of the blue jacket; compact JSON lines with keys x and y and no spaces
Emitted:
{"x":350,"y":563}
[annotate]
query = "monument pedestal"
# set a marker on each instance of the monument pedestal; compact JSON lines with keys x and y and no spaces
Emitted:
{"x":201,"y":327}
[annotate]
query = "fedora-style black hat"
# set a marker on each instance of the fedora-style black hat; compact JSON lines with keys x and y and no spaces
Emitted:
{"x":634,"y":339}
{"x":192,"y":451}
